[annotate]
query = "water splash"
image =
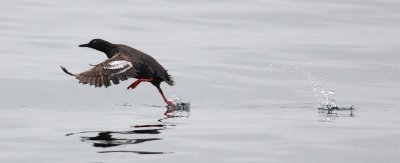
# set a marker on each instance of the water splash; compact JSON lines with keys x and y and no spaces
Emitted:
{"x":320,"y":91}
{"x":327,"y":100}
{"x":180,"y":107}
{"x":178,"y":101}
{"x":326,"y":97}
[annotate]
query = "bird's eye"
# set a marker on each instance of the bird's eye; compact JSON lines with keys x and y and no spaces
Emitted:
{"x":94,"y":42}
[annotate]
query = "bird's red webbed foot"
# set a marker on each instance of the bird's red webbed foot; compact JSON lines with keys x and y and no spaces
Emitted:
{"x":137,"y":82}
{"x":169,"y":103}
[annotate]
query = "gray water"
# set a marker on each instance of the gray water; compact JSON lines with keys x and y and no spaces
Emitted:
{"x":253,"y":72}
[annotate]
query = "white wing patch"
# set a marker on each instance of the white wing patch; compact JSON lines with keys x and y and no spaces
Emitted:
{"x":120,"y":66}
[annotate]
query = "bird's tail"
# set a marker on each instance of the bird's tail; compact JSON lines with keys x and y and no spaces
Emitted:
{"x":66,"y":71}
{"x":169,"y":80}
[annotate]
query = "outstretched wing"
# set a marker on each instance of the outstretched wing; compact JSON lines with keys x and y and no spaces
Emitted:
{"x":113,"y":70}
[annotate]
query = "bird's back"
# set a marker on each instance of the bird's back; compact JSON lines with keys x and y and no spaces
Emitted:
{"x":149,"y":67}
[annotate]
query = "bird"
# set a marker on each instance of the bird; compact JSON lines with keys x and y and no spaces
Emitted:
{"x":123,"y":63}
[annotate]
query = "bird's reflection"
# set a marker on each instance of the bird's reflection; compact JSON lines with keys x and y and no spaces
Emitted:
{"x":106,"y":139}
{"x":137,"y":152}
{"x":331,"y":114}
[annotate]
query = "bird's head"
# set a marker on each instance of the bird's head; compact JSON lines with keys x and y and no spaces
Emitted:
{"x":99,"y":44}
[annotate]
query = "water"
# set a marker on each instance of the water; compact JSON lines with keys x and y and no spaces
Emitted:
{"x":252,"y":72}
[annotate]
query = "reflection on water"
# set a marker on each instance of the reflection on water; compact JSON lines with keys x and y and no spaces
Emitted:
{"x":106,"y":139}
{"x":137,"y":152}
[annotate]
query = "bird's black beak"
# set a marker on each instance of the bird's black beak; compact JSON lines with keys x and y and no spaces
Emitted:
{"x":84,"y":45}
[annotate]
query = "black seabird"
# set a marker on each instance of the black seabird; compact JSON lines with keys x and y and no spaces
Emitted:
{"x":123,"y":63}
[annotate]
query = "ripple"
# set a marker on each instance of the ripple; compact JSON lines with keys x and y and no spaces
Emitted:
{"x":137,"y":152}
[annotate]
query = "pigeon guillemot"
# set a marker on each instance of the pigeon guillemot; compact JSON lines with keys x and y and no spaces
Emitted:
{"x":123,"y":63}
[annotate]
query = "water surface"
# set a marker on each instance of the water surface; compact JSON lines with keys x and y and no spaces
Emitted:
{"x":252,"y":72}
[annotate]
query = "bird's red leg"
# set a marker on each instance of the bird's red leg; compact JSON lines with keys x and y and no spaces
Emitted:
{"x":134,"y":84}
{"x":137,"y":82}
{"x":162,"y":94}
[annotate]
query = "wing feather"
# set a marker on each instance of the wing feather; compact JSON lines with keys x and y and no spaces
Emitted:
{"x":111,"y":71}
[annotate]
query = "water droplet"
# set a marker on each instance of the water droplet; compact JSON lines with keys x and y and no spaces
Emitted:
{"x":327,"y":99}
